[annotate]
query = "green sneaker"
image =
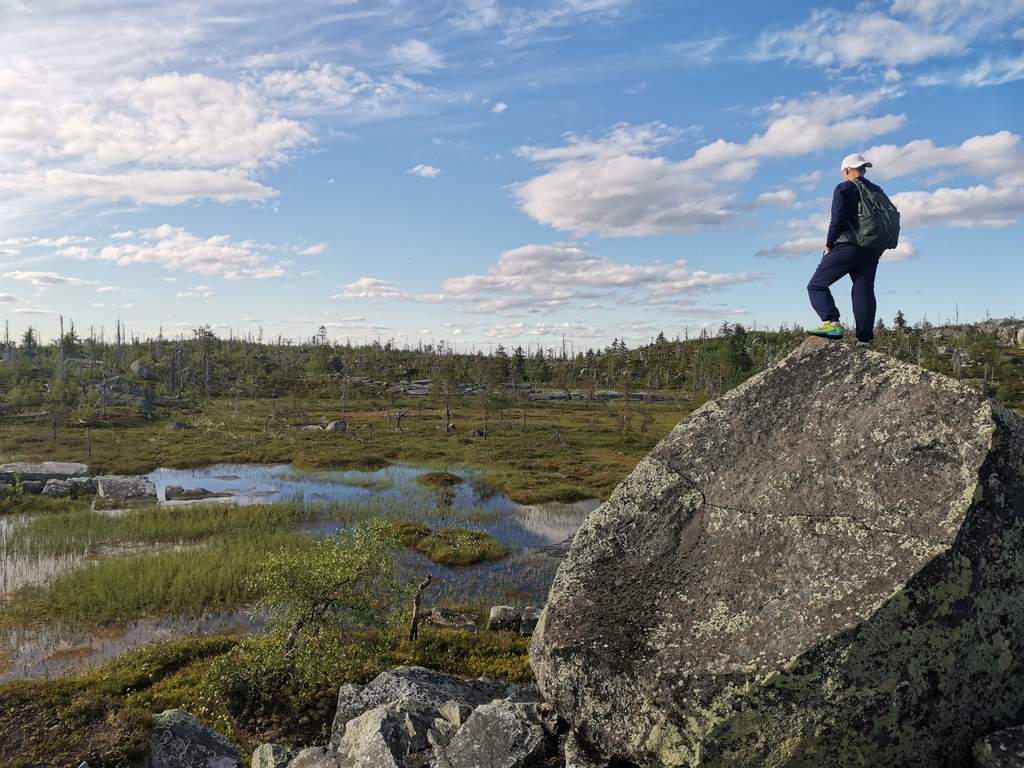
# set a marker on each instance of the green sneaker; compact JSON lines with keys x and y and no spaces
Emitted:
{"x":828,"y":329}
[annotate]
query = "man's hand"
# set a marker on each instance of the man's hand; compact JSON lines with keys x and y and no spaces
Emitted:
{"x":825,"y":252}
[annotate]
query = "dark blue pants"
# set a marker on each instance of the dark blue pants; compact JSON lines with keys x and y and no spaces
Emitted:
{"x":860,"y":265}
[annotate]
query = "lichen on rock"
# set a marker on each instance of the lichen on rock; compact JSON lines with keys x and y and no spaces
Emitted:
{"x":819,"y":568}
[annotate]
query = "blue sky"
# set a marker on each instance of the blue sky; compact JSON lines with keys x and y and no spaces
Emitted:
{"x":485,"y":172}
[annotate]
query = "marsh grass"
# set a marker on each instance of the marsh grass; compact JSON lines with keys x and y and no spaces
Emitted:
{"x":567,"y":451}
{"x":439,"y":479}
{"x":348,"y":479}
{"x":186,"y":581}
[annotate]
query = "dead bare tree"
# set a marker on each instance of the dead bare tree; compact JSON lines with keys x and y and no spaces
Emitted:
{"x":414,"y":622}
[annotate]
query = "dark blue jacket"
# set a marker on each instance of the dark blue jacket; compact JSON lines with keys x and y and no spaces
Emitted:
{"x":845,"y":200}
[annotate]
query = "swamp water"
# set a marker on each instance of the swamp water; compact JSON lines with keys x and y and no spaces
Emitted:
{"x":536,"y":536}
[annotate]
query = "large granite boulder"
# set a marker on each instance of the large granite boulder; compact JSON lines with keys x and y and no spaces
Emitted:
{"x":502,"y":734}
{"x":181,"y":740}
{"x":1004,"y":749}
{"x":42,"y":471}
{"x":821,"y":567}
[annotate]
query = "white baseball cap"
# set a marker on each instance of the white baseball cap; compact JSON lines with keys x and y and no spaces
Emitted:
{"x":856,"y":160}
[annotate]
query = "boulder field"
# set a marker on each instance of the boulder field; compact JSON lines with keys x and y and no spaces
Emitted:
{"x":825,"y":566}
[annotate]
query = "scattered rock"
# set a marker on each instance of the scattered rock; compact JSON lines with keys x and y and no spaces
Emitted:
{"x":450,"y":619}
{"x":316,"y":757}
{"x":315,"y":427}
{"x":82,"y":486}
{"x":1004,"y":749}
{"x":57,"y":489}
{"x":577,"y":756}
{"x":181,"y":740}
{"x":46,"y":470}
{"x":530,"y":617}
{"x":177,"y":493}
{"x":385,"y":736}
{"x":504,"y":618}
{"x":271,"y":756}
{"x":425,"y":686}
{"x":177,"y":426}
{"x":33,"y":487}
{"x":823,"y":563}
{"x":339,"y":425}
{"x":501,"y":734}
{"x":129,"y":488}
{"x":477,"y":432}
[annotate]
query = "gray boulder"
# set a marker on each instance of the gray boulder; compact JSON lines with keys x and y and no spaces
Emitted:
{"x":271,"y":756}
{"x":821,"y":567}
{"x":528,"y":621}
{"x":42,"y":471}
{"x":33,"y":487}
{"x":504,"y":618}
{"x":501,"y":734}
{"x":177,"y":493}
{"x":1004,"y":749}
{"x":82,"y":486}
{"x":339,"y":425}
{"x":57,"y":489}
{"x":393,"y":735}
{"x":429,"y":688}
{"x":181,"y":740}
{"x":130,"y":488}
{"x":450,"y":619}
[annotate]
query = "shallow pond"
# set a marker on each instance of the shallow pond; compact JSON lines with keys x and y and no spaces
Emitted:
{"x":537,"y":537}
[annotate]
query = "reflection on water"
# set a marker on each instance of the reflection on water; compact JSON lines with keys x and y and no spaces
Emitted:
{"x":537,"y":537}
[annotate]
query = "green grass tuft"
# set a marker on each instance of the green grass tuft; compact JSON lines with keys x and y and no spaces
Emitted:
{"x":450,"y":546}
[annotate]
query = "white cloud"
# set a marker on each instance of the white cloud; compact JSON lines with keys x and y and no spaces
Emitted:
{"x":701,"y":51}
{"x":990,"y":155}
{"x":555,"y":275}
{"x":44,"y":278}
{"x":34,"y":311}
{"x":905,"y":251}
{"x":312,"y":250}
{"x":979,"y":206}
{"x":370,"y":288}
{"x":424,"y":171}
{"x":417,"y":56}
{"x":986,"y":73}
{"x":783,"y":198}
{"x":7,"y":297}
{"x":175,"y":248}
{"x":614,"y":187}
{"x":107,"y":289}
{"x":522,"y":24}
{"x":834,"y":38}
{"x":795,"y":247}
{"x":309,"y":273}
{"x":500,"y":107}
{"x":199,"y":292}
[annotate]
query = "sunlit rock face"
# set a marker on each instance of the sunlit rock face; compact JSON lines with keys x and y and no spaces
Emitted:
{"x":823,"y":567}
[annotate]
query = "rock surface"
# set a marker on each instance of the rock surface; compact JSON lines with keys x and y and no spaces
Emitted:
{"x":42,"y":471}
{"x":821,"y":567}
{"x":339,"y":425}
{"x":450,"y":619}
{"x":1004,"y":749}
{"x":181,"y":740}
{"x":177,"y":493}
{"x":430,"y":688}
{"x":135,"y":488}
{"x":501,"y":734}
{"x":504,"y":618}
{"x":271,"y":756}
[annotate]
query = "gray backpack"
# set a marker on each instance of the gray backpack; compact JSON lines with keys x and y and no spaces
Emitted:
{"x":878,"y":221}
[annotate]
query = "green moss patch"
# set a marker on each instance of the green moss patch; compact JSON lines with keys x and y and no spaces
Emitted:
{"x":439,"y":479}
{"x":450,"y":546}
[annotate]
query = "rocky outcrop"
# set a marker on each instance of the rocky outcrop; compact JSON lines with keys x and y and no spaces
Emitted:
{"x":42,"y":471}
{"x":434,"y":689}
{"x":819,"y":568}
{"x":339,"y":425}
{"x":181,"y":740}
{"x":271,"y":756}
{"x":503,"y":734}
{"x":178,"y":493}
{"x":450,"y":619}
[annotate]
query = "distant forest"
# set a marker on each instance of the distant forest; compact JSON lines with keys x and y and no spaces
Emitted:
{"x":87,"y":377}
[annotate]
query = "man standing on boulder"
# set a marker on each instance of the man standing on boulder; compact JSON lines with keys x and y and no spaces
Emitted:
{"x":864,"y":223}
